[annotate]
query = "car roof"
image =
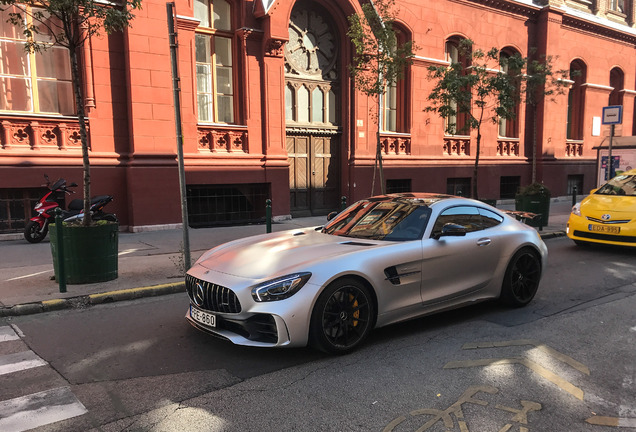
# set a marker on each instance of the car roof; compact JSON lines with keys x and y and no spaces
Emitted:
{"x":415,"y":198}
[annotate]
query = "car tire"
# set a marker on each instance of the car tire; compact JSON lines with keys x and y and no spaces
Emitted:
{"x":522,"y":278}
{"x":33,"y":233}
{"x":342,"y":317}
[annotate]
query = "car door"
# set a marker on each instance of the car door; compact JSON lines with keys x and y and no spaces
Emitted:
{"x":454,"y":267}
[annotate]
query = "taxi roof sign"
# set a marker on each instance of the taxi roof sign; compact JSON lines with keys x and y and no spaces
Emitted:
{"x":613,"y":114}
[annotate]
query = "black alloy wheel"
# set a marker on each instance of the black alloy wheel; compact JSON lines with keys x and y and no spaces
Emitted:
{"x":522,"y":277}
{"x":343,"y":317}
{"x":33,"y":233}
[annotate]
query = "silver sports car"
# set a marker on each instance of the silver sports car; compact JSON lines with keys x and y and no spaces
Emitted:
{"x":382,"y":260}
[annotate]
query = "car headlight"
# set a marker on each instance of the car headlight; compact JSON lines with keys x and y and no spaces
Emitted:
{"x":280,"y":288}
{"x":576,"y":209}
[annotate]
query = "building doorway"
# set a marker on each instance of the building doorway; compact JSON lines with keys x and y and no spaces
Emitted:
{"x":312,"y":114}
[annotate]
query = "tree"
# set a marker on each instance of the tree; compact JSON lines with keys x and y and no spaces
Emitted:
{"x":69,"y":24}
{"x":486,"y":89}
{"x":379,"y":60}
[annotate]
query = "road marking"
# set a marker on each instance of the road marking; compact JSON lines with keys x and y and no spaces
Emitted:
{"x":17,"y":330}
{"x":521,"y":342}
{"x":7,"y":334}
{"x":19,"y":361}
{"x":127,"y":251}
{"x":550,"y":376}
{"x":39,"y":409}
{"x":29,"y":275}
{"x":612,"y":421}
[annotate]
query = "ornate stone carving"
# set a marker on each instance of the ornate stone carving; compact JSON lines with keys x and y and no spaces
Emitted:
{"x":507,"y":147}
{"x":456,"y":146}
{"x":274,"y":48}
{"x":222,"y":140}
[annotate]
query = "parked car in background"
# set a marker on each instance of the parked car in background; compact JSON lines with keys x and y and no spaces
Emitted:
{"x":382,"y":260}
{"x":607,"y":215}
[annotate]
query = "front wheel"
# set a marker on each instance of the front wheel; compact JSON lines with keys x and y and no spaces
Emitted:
{"x":521,"y":280}
{"x":34,"y":233}
{"x":342,"y":318}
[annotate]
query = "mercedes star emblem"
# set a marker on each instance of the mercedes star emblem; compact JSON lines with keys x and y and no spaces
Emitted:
{"x":199,"y":295}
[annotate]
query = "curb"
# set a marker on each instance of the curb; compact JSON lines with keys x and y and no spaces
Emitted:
{"x":91,"y":299}
{"x":550,"y":235}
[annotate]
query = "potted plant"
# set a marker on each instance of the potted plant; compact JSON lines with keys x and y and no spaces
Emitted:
{"x":534,"y":198}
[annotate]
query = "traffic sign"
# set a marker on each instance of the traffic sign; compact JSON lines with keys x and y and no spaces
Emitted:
{"x":613,"y":114}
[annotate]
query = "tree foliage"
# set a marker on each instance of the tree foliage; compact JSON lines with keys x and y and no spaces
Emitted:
{"x":69,"y":24}
{"x":379,"y":58}
{"x":488,"y":88}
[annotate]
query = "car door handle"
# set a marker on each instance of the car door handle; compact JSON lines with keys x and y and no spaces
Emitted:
{"x":483,"y":242}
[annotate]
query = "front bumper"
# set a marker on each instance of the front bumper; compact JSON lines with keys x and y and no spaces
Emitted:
{"x":579,"y":228}
{"x":282,"y":323}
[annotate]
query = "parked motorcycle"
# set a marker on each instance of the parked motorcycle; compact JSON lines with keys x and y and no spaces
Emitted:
{"x":38,"y":226}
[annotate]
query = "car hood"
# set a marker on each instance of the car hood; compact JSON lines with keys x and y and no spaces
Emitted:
{"x":618,"y":204}
{"x":269,"y":255}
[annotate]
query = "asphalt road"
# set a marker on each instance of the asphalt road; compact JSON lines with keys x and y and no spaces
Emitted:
{"x":566,"y":362}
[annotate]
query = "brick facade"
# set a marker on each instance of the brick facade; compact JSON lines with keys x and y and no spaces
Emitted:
{"x":128,"y":93}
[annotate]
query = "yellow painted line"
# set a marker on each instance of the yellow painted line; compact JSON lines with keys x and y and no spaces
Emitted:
{"x":612,"y":421}
{"x":522,"y":342}
{"x":550,"y":376}
{"x":134,"y":290}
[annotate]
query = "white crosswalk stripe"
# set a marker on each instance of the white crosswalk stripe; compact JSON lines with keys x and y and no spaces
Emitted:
{"x":37,"y":409}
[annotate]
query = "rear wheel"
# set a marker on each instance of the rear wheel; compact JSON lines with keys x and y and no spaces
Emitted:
{"x":522,"y":277}
{"x":34,"y":233}
{"x":342,"y":318}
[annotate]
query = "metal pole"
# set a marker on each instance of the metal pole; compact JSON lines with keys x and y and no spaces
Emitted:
{"x":610,"y":163}
{"x":170,"y":9}
{"x":573,"y":196}
{"x":268,"y":215}
{"x":61,"y":266}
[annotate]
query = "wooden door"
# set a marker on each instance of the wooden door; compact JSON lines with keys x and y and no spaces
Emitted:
{"x":313,"y":174}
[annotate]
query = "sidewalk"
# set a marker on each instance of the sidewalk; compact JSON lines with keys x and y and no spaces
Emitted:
{"x":149,"y":264}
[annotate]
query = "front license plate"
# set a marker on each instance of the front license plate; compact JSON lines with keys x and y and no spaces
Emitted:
{"x":202,"y":317}
{"x":604,"y":228}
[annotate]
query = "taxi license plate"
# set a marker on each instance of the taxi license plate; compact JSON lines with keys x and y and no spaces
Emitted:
{"x":202,"y":317}
{"x":604,"y":228}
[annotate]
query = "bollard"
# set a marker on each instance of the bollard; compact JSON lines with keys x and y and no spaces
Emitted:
{"x":61,"y":267}
{"x":268,"y":215}
{"x":573,"y":196}
{"x":343,"y":203}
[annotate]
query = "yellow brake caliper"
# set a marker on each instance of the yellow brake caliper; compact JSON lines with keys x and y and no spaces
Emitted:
{"x":356,"y":314}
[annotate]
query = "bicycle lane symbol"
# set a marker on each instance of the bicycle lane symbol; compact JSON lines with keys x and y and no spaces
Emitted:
{"x":448,"y":416}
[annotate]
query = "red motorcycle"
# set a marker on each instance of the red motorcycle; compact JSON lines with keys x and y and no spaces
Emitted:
{"x":37,"y":228}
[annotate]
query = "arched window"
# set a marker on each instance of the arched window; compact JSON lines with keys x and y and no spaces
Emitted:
{"x":214,"y":61}
{"x":576,"y":100}
{"x":617,"y":82}
{"x":509,"y":128}
{"x":395,"y":103}
{"x":457,"y":124}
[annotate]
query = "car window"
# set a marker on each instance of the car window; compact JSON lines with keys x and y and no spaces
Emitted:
{"x":466,"y":216}
{"x":619,"y":185}
{"x":489,"y":218}
{"x":394,"y":220}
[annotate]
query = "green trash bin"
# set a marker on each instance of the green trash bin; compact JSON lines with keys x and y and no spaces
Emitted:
{"x":534,"y":199}
{"x":90,"y":253}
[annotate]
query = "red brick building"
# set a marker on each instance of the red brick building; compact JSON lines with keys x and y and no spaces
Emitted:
{"x":269,"y":110}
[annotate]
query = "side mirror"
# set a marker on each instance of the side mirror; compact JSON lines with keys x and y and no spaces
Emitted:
{"x":452,"y":230}
{"x":332,"y":215}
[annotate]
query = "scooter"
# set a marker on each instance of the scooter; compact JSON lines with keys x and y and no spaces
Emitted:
{"x":38,"y":226}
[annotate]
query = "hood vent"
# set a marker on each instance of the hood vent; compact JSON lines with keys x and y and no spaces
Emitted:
{"x":354,"y":243}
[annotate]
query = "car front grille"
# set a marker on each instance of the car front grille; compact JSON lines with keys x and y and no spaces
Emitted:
{"x":605,"y":237}
{"x":212,"y":297}
{"x":607,"y":222}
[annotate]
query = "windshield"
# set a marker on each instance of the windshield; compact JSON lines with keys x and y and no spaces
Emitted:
{"x":394,"y":220}
{"x":619,"y":185}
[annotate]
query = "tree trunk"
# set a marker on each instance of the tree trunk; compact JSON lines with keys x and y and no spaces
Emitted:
{"x":473,"y":194}
{"x":79,"y":100}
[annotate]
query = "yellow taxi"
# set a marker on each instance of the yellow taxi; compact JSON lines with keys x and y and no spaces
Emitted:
{"x":607,"y":215}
